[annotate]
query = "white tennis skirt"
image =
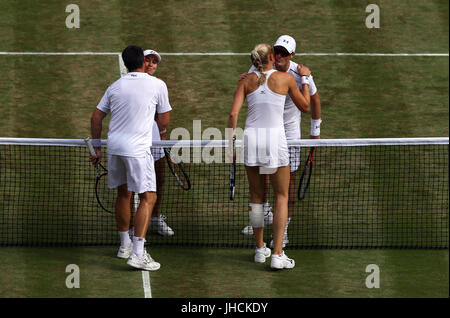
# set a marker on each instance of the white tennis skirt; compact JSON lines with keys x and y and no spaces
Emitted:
{"x":265,"y":147}
{"x":137,"y":173}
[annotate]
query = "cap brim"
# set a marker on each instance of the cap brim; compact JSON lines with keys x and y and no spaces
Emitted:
{"x":285,"y":48}
{"x":152,"y":52}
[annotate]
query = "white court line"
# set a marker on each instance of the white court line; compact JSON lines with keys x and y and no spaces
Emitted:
{"x":146,"y":284}
{"x":122,"y":68}
{"x":235,"y":54}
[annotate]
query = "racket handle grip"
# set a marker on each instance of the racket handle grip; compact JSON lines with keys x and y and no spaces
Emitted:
{"x":88,"y":142}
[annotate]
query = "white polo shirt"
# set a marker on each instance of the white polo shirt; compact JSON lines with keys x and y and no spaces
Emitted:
{"x":292,"y":115}
{"x":132,"y":101}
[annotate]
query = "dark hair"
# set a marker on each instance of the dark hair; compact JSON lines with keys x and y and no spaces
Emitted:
{"x":133,"y":57}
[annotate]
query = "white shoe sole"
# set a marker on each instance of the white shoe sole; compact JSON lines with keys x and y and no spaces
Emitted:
{"x":161,"y":232}
{"x":153,"y":266}
{"x":282,"y":263}
{"x":166,"y":233}
{"x":261,"y":258}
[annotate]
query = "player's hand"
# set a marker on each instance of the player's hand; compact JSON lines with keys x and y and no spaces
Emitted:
{"x":230,"y":151}
{"x":303,"y":70}
{"x":96,"y":160}
{"x":242,"y":76}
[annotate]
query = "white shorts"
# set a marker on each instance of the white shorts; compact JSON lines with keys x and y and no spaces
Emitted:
{"x":294,"y":158}
{"x":157,"y":153}
{"x":137,"y":173}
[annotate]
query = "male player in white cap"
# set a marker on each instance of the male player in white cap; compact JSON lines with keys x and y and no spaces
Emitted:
{"x":284,"y":49}
{"x":157,"y":222}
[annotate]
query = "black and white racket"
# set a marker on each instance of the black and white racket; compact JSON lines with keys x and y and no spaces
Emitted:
{"x":233,"y":172}
{"x":106,"y":197}
{"x":306,"y":175}
{"x":177,"y":170}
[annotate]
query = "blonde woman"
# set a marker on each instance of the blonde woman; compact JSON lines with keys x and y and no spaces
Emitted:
{"x":265,"y":145}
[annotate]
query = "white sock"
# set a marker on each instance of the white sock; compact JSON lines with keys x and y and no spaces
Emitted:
{"x":138,"y":245}
{"x":124,"y":238}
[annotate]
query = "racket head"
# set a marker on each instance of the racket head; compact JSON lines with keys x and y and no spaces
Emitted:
{"x":305,"y":178}
{"x":106,"y":197}
{"x":177,"y":170}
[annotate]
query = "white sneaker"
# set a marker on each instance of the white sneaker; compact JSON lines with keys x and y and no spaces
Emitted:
{"x":281,"y":261}
{"x":159,"y":225}
{"x":144,"y":262}
{"x":268,"y":219}
{"x":125,"y":251}
{"x":261,"y":254}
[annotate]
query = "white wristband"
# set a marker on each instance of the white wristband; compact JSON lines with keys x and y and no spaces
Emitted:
{"x":315,"y":127}
{"x":96,"y":142}
{"x":304,"y":80}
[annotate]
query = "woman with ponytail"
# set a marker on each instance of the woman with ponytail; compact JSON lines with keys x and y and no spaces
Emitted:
{"x":265,"y":145}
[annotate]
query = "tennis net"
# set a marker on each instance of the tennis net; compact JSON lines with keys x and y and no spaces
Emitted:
{"x":364,"y":193}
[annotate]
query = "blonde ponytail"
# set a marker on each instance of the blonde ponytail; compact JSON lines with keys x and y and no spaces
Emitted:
{"x":260,"y":59}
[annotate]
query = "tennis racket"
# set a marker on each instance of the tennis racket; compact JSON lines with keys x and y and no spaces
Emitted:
{"x":177,"y":170}
{"x":106,"y":197}
{"x":306,"y":175}
{"x":233,"y":172}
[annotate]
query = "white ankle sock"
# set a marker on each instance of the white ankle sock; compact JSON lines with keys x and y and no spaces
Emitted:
{"x":138,"y":245}
{"x":124,"y":238}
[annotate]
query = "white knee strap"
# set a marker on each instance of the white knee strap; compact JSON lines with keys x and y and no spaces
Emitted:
{"x":256,"y":215}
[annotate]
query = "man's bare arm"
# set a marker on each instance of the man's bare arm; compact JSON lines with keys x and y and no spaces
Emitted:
{"x":96,"y":133}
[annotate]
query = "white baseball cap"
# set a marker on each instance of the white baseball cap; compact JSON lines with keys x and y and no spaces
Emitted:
{"x":287,"y":42}
{"x":152,"y":52}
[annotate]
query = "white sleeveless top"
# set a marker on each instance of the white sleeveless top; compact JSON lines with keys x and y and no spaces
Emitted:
{"x":292,"y":115}
{"x":264,"y":136}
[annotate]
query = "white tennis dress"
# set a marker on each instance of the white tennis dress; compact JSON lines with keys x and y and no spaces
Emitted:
{"x":292,"y":115}
{"x":264,"y":137}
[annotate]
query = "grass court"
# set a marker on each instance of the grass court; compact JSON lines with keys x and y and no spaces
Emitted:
{"x":53,"y":96}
